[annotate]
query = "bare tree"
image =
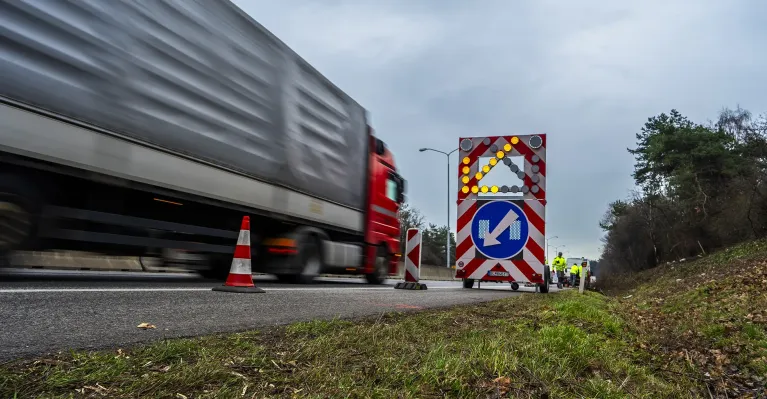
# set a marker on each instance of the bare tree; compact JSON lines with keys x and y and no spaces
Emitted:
{"x":409,"y":218}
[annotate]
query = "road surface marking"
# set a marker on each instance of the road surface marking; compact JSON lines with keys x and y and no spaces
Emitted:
{"x":48,"y":290}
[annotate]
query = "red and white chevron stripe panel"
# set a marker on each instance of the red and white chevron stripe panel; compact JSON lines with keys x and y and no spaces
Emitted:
{"x":413,"y":256}
{"x":529,"y":194}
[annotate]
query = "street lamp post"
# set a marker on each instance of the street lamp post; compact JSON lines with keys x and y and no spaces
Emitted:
{"x":548,"y":245}
{"x":556,"y":247}
{"x":447,"y":233}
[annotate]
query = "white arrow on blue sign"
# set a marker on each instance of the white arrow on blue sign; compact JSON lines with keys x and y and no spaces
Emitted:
{"x":499,"y":229}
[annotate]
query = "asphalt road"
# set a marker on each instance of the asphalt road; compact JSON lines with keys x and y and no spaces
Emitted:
{"x":91,"y":311}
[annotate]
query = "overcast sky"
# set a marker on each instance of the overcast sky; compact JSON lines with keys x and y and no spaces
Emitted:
{"x":588,"y":73}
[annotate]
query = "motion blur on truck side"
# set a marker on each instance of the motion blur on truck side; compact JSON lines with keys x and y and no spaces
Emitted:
{"x":135,"y":128}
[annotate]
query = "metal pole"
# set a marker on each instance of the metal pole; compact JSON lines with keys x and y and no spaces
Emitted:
{"x":447,"y":235}
{"x":556,"y":248}
{"x":447,"y":227}
{"x":548,"y":240}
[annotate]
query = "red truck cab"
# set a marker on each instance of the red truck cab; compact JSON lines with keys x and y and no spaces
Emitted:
{"x":386,"y":194}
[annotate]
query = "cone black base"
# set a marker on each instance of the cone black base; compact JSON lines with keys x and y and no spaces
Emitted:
{"x":410,"y":286}
{"x":239,"y":290}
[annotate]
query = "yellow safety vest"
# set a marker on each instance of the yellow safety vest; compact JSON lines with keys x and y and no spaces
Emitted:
{"x":559,"y":264}
{"x":574,"y":270}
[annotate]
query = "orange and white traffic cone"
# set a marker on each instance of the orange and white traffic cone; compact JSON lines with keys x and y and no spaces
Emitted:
{"x":240,"y":276}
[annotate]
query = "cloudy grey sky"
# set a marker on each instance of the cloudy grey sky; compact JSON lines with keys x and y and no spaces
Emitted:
{"x":587,"y":72}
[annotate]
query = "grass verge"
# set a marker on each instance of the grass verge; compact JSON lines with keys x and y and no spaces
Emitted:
{"x":562,"y":345}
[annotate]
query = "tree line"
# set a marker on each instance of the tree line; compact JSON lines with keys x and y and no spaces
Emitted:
{"x":433,"y":237}
{"x":700,"y":187}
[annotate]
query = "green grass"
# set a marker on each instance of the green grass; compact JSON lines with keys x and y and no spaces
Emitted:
{"x":564,"y":345}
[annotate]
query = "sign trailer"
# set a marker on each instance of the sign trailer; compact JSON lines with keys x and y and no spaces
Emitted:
{"x":501,"y":229}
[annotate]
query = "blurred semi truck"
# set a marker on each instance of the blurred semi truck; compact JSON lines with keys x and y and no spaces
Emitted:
{"x":132,"y":125}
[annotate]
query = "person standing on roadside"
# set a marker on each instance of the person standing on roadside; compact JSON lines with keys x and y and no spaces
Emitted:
{"x":559,"y":264}
{"x":575,"y":271}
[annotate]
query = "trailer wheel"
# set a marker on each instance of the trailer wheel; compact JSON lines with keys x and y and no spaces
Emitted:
{"x":310,"y":260}
{"x":468,"y":283}
{"x":546,"y":280}
{"x":19,"y":207}
{"x":514,"y":286}
{"x":381,"y":267}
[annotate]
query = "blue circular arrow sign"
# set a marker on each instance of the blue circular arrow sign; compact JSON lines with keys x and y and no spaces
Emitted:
{"x":499,"y":229}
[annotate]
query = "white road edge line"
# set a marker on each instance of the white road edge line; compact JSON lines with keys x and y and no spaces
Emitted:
{"x":50,"y":290}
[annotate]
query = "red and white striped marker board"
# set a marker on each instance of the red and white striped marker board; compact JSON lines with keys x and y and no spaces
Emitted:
{"x":413,"y":256}
{"x":501,"y":227}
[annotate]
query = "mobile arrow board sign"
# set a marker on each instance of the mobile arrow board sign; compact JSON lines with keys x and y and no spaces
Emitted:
{"x":501,"y":229}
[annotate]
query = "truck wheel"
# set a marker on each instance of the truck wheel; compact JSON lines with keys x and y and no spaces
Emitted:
{"x":381,"y":271}
{"x":311,"y":261}
{"x":19,"y":205}
{"x":468,"y":283}
{"x":546,"y":280}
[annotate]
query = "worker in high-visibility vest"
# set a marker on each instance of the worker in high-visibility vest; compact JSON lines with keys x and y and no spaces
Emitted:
{"x":560,"y":264}
{"x":575,"y":271}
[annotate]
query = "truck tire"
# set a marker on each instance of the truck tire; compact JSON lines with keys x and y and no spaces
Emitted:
{"x":310,"y":261}
{"x":19,"y":209}
{"x":546,"y":280}
{"x":381,"y":271}
{"x":468,"y":283}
